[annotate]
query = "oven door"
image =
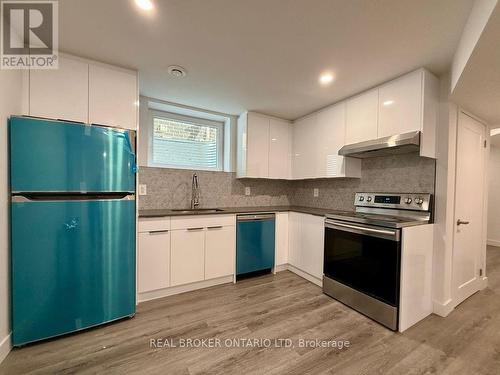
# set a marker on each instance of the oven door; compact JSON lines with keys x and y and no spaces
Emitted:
{"x":365,"y":258}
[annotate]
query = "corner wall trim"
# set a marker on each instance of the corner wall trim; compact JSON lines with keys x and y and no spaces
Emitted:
{"x":442,"y":309}
{"x":5,"y":347}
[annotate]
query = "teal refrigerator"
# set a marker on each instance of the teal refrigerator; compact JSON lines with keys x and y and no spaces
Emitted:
{"x":73,"y":223}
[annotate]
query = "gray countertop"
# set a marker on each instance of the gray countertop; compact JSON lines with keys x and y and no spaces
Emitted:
{"x":240,"y":210}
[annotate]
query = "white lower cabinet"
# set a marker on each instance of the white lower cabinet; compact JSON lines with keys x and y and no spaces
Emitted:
{"x":219,"y":251}
{"x":312,"y":244}
{"x":188,"y":256}
{"x":181,"y":250}
{"x":306,"y":243}
{"x":153,"y":260}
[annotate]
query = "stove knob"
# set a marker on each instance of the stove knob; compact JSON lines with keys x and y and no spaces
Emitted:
{"x":419,"y":201}
{"x":408,"y":200}
{"x":361,"y":199}
{"x":369,"y":199}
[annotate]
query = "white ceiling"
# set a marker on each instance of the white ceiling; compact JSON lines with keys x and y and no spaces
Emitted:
{"x":478,"y":89}
{"x":265,"y":55}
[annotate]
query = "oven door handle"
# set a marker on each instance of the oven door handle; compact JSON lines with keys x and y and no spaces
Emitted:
{"x":383,"y":233}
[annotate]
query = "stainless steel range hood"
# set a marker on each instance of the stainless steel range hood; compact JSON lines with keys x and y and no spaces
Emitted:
{"x":395,"y":144}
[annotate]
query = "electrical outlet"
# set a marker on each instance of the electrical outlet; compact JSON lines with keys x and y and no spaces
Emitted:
{"x":143,"y":189}
{"x":247,"y":190}
{"x":316,"y":192}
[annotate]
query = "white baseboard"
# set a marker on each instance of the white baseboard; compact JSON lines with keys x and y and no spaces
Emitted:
{"x":442,"y":309}
{"x":160,"y":293}
{"x":483,"y":282}
{"x":5,"y":347}
{"x":305,"y":275}
{"x":490,"y":242}
{"x":281,"y":267}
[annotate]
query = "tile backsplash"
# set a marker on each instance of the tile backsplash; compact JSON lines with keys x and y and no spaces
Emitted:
{"x":171,"y":188}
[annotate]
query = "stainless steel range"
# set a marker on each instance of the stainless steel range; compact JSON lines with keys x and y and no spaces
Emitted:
{"x":362,"y":260}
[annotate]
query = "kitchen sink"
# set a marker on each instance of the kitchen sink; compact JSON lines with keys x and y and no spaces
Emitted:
{"x":198,"y":210}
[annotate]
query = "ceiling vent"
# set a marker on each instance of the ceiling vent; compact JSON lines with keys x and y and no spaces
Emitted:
{"x":177,"y":71}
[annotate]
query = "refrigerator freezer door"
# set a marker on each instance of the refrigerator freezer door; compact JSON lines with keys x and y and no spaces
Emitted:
{"x":73,"y":266}
{"x":56,"y":156}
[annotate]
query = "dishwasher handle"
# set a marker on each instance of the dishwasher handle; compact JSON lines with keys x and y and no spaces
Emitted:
{"x":255,"y":217}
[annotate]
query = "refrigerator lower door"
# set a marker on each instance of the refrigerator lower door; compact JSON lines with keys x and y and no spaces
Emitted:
{"x":73,"y":266}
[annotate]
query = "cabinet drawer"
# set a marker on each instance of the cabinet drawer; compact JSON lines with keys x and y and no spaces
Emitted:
{"x":205,"y":221}
{"x":154,"y":224}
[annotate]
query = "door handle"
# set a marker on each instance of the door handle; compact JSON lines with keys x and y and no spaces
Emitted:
{"x":462,"y":222}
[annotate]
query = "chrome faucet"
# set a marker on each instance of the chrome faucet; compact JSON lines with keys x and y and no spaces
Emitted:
{"x":195,"y":192}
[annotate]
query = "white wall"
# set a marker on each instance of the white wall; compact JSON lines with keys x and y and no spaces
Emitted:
{"x":478,"y":18}
{"x":494,"y":196}
{"x":10,"y":103}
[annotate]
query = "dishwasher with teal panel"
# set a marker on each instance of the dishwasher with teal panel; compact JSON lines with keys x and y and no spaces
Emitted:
{"x":255,"y":244}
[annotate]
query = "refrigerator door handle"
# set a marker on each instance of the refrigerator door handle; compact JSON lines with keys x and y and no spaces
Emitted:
{"x":70,"y":197}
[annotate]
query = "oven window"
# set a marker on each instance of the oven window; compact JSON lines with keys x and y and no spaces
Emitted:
{"x":368,"y":264}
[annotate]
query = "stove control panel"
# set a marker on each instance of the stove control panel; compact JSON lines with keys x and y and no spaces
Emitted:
{"x":410,"y":201}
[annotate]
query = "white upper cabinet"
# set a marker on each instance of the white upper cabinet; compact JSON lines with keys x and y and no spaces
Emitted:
{"x":361,"y":117}
{"x":410,"y":103}
{"x":84,"y":91}
{"x":330,"y":133}
{"x":279,"y":149}
{"x":263,"y":147}
{"x":62,"y":93}
{"x":112,"y":97}
{"x":303,"y":150}
{"x":400,"y":105}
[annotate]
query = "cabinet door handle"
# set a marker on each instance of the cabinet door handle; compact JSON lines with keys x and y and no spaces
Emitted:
{"x":193,"y":229}
{"x":158,"y":231}
{"x":215,"y":227}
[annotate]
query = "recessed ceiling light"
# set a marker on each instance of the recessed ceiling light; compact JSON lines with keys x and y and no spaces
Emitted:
{"x":388,"y":102}
{"x":326,"y":78}
{"x":177,"y":71}
{"x":144,"y":4}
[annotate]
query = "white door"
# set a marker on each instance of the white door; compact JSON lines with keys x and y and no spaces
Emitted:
{"x":153,"y":261}
{"x":469,"y":207}
{"x":220,"y":249}
{"x":279,"y":149}
{"x":187,"y":256}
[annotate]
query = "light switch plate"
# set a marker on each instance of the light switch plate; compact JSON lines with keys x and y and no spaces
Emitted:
{"x":247,"y":190}
{"x":316,"y":192}
{"x":143,"y":189}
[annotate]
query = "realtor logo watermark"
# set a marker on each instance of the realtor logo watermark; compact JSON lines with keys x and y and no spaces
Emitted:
{"x":29,"y":34}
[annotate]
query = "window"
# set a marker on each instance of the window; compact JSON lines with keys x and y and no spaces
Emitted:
{"x":186,"y":142}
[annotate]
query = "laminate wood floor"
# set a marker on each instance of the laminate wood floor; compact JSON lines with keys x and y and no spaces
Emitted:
{"x":281,"y":306}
